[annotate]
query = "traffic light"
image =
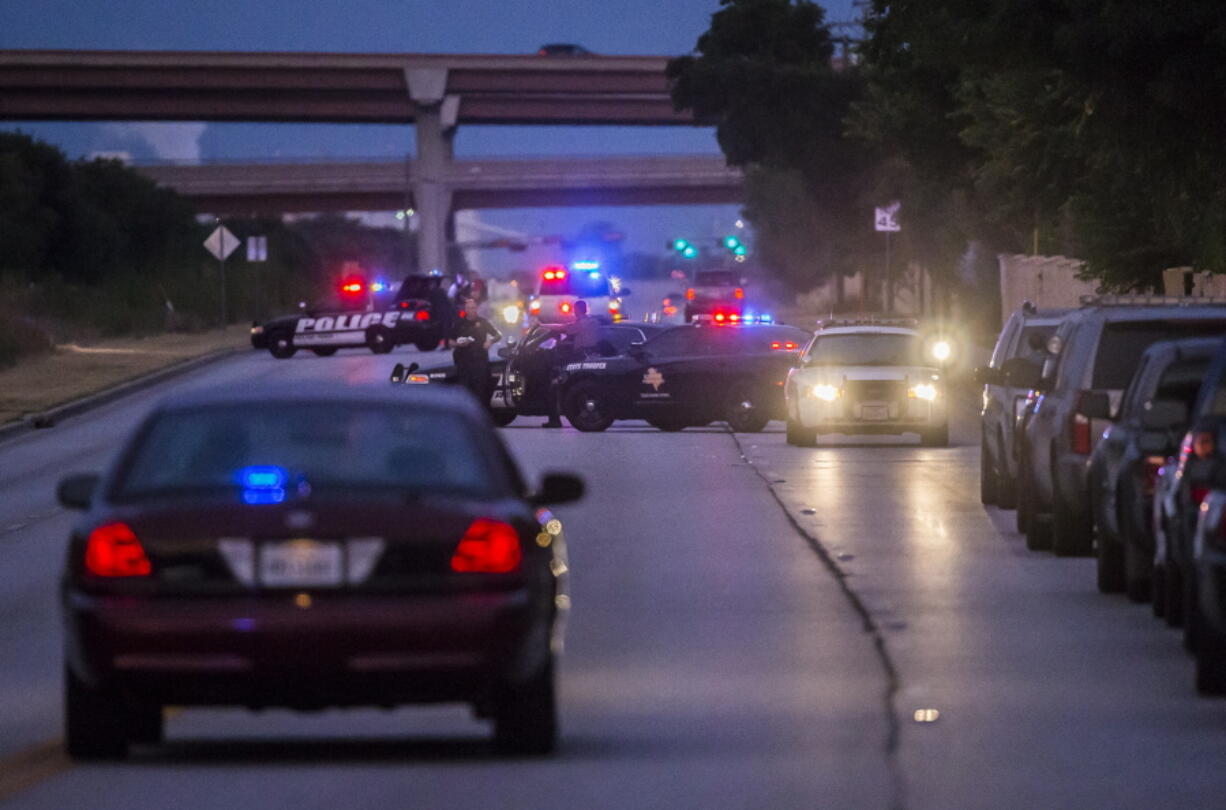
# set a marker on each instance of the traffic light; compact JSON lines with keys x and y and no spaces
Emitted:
{"x":734,"y":244}
{"x":679,"y":245}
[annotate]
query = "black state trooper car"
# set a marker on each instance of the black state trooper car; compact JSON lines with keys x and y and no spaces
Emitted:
{"x":687,"y":376}
{"x":357,"y":320}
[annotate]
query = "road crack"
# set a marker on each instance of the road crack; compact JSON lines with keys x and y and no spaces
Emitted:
{"x":893,"y":682}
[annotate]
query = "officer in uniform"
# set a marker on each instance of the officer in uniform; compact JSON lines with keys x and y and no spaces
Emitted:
{"x":578,"y":340}
{"x":471,"y":339}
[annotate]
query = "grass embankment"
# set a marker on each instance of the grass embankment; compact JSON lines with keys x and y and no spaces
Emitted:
{"x":75,"y":370}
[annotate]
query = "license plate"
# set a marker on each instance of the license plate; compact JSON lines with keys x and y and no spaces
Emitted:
{"x":301,"y":563}
{"x":876,"y":413}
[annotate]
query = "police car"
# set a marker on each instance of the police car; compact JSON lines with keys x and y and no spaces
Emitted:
{"x":501,"y":412}
{"x":686,"y":376}
{"x":362,"y":316}
{"x":869,"y":377}
{"x":560,"y":287}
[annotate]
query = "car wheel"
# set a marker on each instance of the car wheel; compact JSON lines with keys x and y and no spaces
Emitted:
{"x":146,"y":724}
{"x":1138,"y":565}
{"x":1211,"y":662}
{"x":743,"y":413}
{"x":1071,"y":536}
{"x":526,"y":716}
{"x":1192,"y":620}
{"x":427,"y":344}
{"x":503,"y":416}
{"x":936,"y":436}
{"x":588,"y":407}
{"x":379,"y":340}
{"x":988,"y":481}
{"x":95,"y":725}
{"x":281,"y":346}
{"x":667,"y":424}
{"x":1172,"y":581}
{"x":1038,"y":533}
{"x":325,"y":352}
{"x":1024,"y":494}
{"x":1157,"y":590}
{"x":1006,"y":487}
{"x":1110,"y":566}
{"x":800,"y":436}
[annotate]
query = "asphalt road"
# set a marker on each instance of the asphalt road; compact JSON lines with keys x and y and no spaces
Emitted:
{"x":754,"y":626}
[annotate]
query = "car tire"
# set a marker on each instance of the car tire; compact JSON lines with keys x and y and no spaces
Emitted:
{"x":588,"y":407}
{"x":1038,"y":533}
{"x":1071,"y":536}
{"x":324,"y":352}
{"x":503,"y":416}
{"x":95,"y":723}
{"x":1024,"y":495}
{"x":1157,"y":591}
{"x":1110,"y":565}
{"x":1006,"y":487}
{"x":526,"y":716}
{"x":1211,"y":663}
{"x":743,"y":414}
{"x":1138,"y":566}
{"x":1192,"y":620}
{"x":667,"y":424}
{"x":1172,"y":581}
{"x":427,"y":344}
{"x":281,"y":346}
{"x":379,"y":340}
{"x":988,"y":481}
{"x":800,"y":436}
{"x":146,"y":724}
{"x":935,"y":437}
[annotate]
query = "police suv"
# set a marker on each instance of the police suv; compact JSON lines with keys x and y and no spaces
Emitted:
{"x":869,"y":377}
{"x":360,"y":318}
{"x":686,"y":376}
{"x":560,"y":287}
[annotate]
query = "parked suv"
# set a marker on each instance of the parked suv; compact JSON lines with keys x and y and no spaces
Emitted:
{"x":1024,"y":336}
{"x":1094,"y":354}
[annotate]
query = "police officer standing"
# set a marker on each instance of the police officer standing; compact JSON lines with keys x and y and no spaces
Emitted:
{"x":471,"y":338}
{"x":579,"y":339}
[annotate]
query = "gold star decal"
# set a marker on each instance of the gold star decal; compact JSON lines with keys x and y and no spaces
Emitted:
{"x":653,"y":378}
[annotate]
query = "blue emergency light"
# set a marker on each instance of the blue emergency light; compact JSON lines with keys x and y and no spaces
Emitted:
{"x":263,"y":484}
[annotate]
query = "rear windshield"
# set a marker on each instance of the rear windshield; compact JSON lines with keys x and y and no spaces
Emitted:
{"x":581,"y":285}
{"x":716,"y":278}
{"x":1122,"y":344}
{"x":866,"y":349}
{"x":322,"y":446}
{"x":1181,"y":381}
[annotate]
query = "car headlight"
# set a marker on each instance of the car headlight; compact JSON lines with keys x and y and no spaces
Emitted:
{"x":925,"y":391}
{"x":942,"y":350}
{"x":257,"y":330}
{"x":826,"y":393}
{"x":510,"y":313}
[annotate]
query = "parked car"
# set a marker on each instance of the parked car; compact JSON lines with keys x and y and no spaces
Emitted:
{"x":1025,"y":336}
{"x":1152,"y":419}
{"x":1208,"y":578}
{"x":1094,"y":354}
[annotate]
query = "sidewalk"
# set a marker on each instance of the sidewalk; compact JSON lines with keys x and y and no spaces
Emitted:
{"x":74,"y":371}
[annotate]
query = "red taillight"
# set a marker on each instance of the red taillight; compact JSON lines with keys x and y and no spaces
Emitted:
{"x":689,"y":294}
{"x":403,"y":305}
{"x":565,"y":307}
{"x":790,"y":346}
{"x":1199,"y":494}
{"x":720,"y":317}
{"x":614,"y":306}
{"x":1081,"y":435}
{"x":534,"y":307}
{"x":776,"y":345}
{"x":488,"y":547}
{"x":422,"y":315}
{"x":738,"y":293}
{"x":113,"y":551}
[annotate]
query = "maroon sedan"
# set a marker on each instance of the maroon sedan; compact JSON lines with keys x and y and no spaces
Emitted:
{"x":340,"y":547}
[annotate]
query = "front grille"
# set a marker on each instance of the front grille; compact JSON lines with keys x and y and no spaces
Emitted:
{"x":857,"y":391}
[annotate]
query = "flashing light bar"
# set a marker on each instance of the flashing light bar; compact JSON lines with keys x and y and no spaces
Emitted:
{"x":585,"y":265}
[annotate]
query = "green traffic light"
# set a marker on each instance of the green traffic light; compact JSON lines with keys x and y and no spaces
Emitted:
{"x":680,"y":245}
{"x":740,"y":250}
{"x":731,"y":242}
{"x":689,"y":252}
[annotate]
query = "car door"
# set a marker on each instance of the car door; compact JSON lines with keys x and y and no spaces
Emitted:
{"x":671,"y":370}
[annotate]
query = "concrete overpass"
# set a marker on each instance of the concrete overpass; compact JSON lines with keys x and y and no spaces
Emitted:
{"x":434,"y":92}
{"x":471,"y":184}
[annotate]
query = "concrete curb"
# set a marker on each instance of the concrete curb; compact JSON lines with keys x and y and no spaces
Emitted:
{"x":50,"y":417}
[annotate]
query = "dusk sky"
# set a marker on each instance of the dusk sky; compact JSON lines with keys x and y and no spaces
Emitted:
{"x":459,"y":26}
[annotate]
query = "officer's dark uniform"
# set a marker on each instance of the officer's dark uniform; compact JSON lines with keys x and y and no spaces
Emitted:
{"x":577,"y":341}
{"x":472,"y":361}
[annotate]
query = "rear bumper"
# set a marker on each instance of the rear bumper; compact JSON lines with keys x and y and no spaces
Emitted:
{"x":332,"y":650}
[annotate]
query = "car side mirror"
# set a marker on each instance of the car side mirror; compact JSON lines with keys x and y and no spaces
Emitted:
{"x":1020,"y":372}
{"x":1164,"y":414}
{"x":558,"y":488}
{"x":1094,"y":405}
{"x":986,"y":375}
{"x":76,"y":491}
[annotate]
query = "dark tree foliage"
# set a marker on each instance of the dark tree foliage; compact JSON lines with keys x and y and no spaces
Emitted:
{"x":762,"y":74}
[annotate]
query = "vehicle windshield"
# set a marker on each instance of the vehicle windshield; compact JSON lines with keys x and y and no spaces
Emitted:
{"x":865,"y":349}
{"x":329,"y":446}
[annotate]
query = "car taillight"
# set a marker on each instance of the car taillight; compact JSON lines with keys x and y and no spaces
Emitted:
{"x":776,"y":345}
{"x":1080,"y":429}
{"x":614,"y":306}
{"x":720,"y":317}
{"x":422,"y":315}
{"x":790,"y":346}
{"x":738,"y":293}
{"x":689,"y":294}
{"x":113,"y":551}
{"x":488,"y":547}
{"x":403,"y":305}
{"x":564,"y":307}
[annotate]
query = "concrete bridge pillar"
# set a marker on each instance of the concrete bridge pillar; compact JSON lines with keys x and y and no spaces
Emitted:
{"x":436,"y":119}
